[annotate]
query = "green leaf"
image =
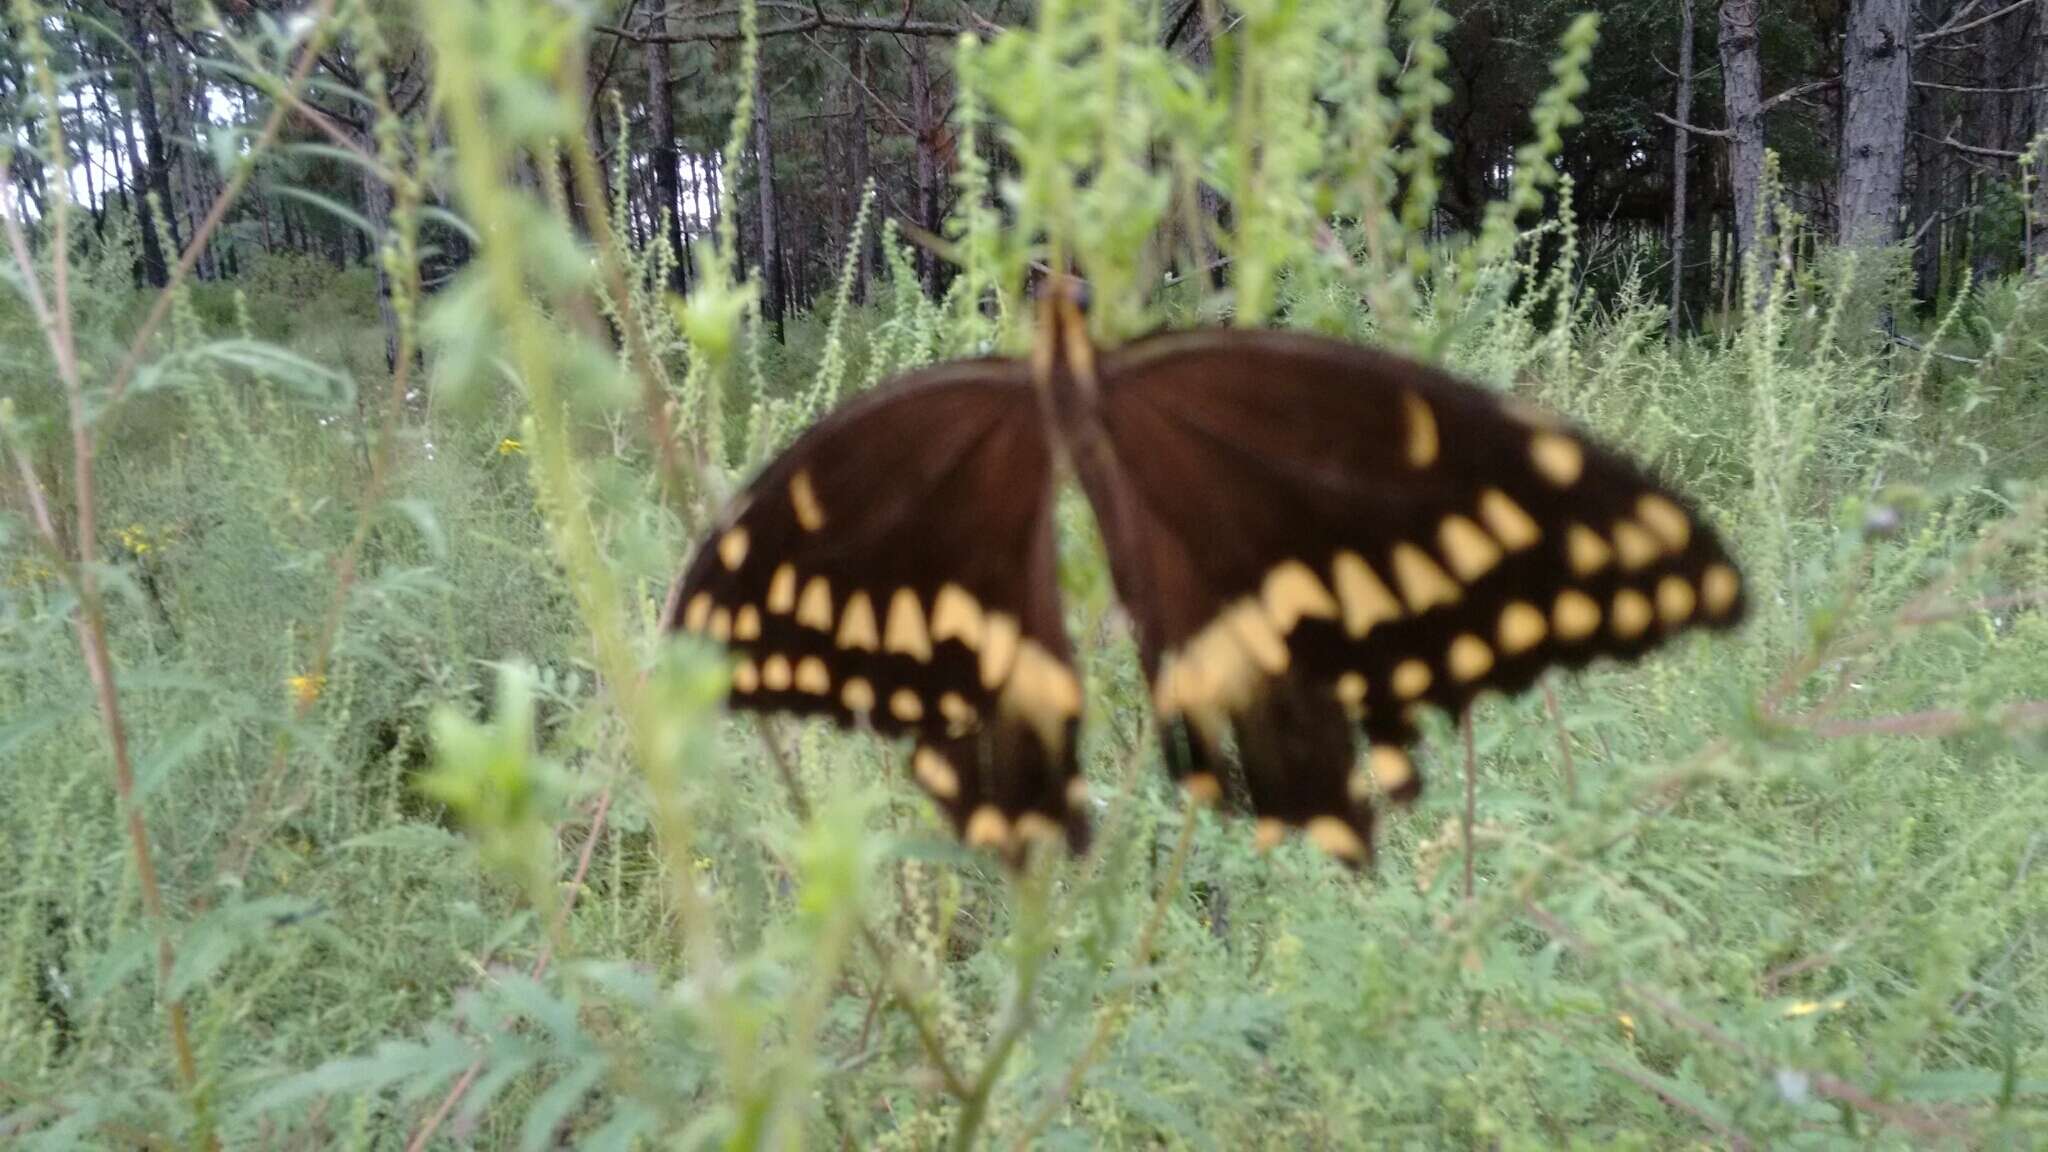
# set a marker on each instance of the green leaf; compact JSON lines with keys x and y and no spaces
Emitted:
{"x":315,"y":382}
{"x":207,"y":944}
{"x":332,"y":207}
{"x":553,"y":1106}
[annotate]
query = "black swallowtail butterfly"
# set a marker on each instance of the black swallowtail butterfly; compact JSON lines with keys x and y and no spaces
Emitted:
{"x":1310,"y":537}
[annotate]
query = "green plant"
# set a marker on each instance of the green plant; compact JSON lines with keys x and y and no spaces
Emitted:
{"x":1780,"y":888}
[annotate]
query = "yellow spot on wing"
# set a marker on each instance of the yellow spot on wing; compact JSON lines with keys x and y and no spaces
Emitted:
{"x":721,"y":624}
{"x":988,"y":828}
{"x":956,"y":616}
{"x":814,"y":610}
{"x":747,"y":625}
{"x":858,"y":695}
{"x":745,"y":677}
{"x":1675,"y":600}
{"x":1336,"y":837}
{"x":1423,"y":584}
{"x":1203,"y":788}
{"x":1042,"y":691}
{"x":732,"y":548}
{"x":1637,"y":548}
{"x":812,"y":677}
{"x":1631,"y":613}
{"x":1268,"y":833}
{"x":1411,"y":679}
{"x":906,"y":631}
{"x":1351,"y":689}
{"x":1515,"y":528}
{"x":1367,"y":602}
{"x":803,"y":497}
{"x":775,"y":674}
{"x":1469,"y":658}
{"x":1291,"y":591}
{"x":1466,"y":546}
{"x":1575,"y":615}
{"x":905,"y":706}
{"x":959,"y":714}
{"x":936,"y":773}
{"x":1253,"y":630}
{"x":1666,"y":519}
{"x":782,"y":590}
{"x":1558,"y":457}
{"x":856,"y":623}
{"x":998,"y":648}
{"x":698,"y":614}
{"x":1720,"y":585}
{"x":1038,"y":826}
{"x":1392,"y":769}
{"x":1422,"y":437}
{"x":1585,"y":550}
{"x":1521,"y":628}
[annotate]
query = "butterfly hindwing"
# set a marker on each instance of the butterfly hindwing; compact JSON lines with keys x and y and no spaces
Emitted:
{"x":1313,"y":536}
{"x":895,"y":568}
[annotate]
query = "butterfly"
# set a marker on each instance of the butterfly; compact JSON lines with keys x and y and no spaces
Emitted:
{"x":1312,"y":540}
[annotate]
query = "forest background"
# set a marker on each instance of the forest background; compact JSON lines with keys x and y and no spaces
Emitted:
{"x":366,"y":368}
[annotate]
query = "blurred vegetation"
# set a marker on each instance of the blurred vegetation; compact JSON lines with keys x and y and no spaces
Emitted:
{"x":436,"y":841}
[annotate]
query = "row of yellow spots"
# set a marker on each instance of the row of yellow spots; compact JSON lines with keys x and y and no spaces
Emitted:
{"x":1030,"y":681}
{"x":1574,"y":616}
{"x":987,"y":826}
{"x":1660,"y":528}
{"x":1388,"y":771}
{"x":1215,"y":672}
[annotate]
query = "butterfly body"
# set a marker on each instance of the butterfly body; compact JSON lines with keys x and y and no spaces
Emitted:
{"x":1312,"y":540}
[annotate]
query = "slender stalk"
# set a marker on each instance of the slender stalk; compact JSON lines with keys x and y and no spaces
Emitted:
{"x":675,"y":480}
{"x":401,"y":251}
{"x":1033,"y":946}
{"x":905,"y":994}
{"x":557,"y":932}
{"x":1564,"y":743}
{"x":1471,"y":795}
{"x":89,"y":620}
{"x":1107,"y":1016}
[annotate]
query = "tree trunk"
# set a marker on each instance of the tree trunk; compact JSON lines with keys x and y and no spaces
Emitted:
{"x":764,"y":180}
{"x":1876,"y":79}
{"x":927,"y":206}
{"x":154,"y":178}
{"x":1681,"y":147}
{"x":188,"y":187}
{"x":857,"y":154}
{"x":1930,"y":191}
{"x":661,"y":129}
{"x":377,"y":204}
{"x":1742,"y":89}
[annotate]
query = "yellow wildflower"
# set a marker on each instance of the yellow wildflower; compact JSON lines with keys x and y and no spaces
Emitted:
{"x":508,"y":446}
{"x":305,"y":688}
{"x":136,"y":540}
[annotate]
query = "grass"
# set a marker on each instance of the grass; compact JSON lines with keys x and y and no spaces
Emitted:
{"x":451,"y":846}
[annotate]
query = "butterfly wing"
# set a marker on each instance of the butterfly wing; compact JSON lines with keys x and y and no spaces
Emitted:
{"x":1312,"y":536}
{"x":894,"y":567}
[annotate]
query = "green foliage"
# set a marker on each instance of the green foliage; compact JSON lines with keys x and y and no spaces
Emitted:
{"x":1781,"y":888}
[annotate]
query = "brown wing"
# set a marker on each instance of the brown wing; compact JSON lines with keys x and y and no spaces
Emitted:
{"x":895,"y":568}
{"x":1313,"y":536}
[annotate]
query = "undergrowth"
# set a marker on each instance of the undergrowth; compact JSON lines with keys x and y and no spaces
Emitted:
{"x":350,"y":796}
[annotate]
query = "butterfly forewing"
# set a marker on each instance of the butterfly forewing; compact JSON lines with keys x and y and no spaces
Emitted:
{"x":895,"y":568}
{"x":1314,"y":537}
